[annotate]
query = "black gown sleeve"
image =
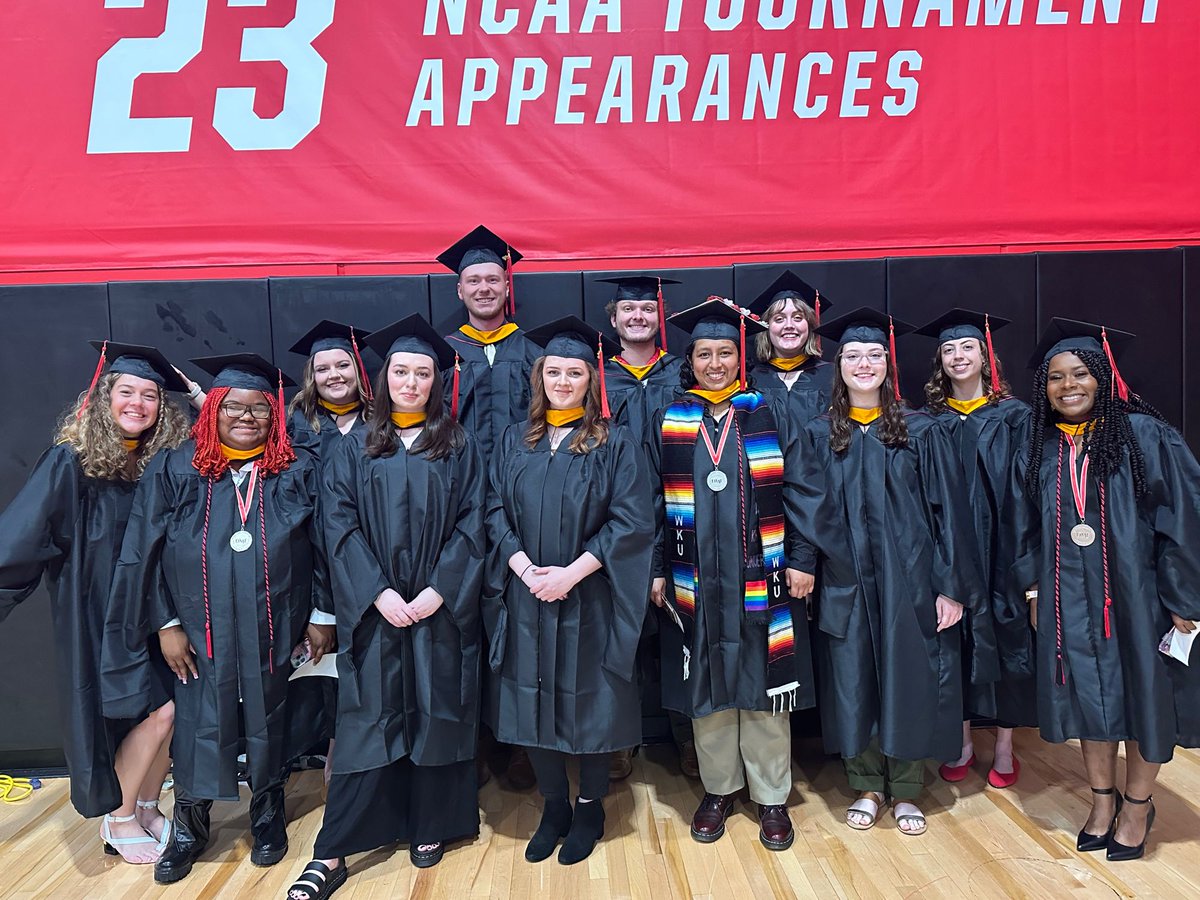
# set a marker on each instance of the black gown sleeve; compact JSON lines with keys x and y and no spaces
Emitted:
{"x":801,"y":553}
{"x":35,"y":529}
{"x":1173,"y":479}
{"x":458,"y":573}
{"x":502,"y":544}
{"x":355,"y":573}
{"x":652,"y":446}
{"x":623,"y":547}
{"x":322,"y":592}
{"x":139,"y":602}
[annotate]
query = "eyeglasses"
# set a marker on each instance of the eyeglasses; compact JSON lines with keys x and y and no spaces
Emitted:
{"x":237,"y":410}
{"x":875,"y":357}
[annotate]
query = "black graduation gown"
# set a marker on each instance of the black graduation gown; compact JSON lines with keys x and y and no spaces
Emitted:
{"x":159,"y":578}
{"x":491,"y":396}
{"x":318,"y":444}
{"x":808,"y":396}
{"x":728,"y":668}
{"x":894,"y":531}
{"x":405,"y":522}
{"x":988,"y":439}
{"x":564,"y":671}
{"x":68,"y":528}
{"x":635,"y":402}
{"x":1121,"y":687}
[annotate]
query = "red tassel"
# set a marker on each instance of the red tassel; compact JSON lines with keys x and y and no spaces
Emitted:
{"x":454,"y":391}
{"x":362,"y":368}
{"x":511,"y":306}
{"x":95,"y":377}
{"x":987,"y":333}
{"x":605,"y":411}
{"x":208,"y":637}
{"x":1118,"y":383}
{"x":1107,"y":624}
{"x":817,"y":309}
{"x":662,"y":318}
{"x":281,"y":418}
{"x":892,"y":354}
{"x":742,"y":349}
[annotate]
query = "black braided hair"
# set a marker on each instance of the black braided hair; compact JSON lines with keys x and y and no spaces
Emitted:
{"x":1105,"y":441}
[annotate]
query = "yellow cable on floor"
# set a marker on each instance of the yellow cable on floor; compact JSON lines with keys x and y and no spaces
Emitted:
{"x":14,"y":790}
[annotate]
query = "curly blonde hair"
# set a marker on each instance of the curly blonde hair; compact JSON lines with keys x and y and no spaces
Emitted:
{"x":98,"y":442}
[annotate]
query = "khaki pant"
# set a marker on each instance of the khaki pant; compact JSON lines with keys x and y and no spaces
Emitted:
{"x":736,"y":746}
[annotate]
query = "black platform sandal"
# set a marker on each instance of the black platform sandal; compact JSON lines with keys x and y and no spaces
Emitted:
{"x":317,"y":881}
{"x":1118,"y":852}
{"x":424,"y":856}
{"x":1088,"y":842}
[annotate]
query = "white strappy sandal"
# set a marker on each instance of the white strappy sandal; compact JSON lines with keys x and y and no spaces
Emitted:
{"x":113,"y":845}
{"x":165,"y":837}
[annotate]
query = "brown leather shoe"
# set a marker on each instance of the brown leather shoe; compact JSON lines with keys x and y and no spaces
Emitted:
{"x":620,"y":765}
{"x":708,"y":824}
{"x":774,"y":827}
{"x":689,"y":763}
{"x":519,"y":773}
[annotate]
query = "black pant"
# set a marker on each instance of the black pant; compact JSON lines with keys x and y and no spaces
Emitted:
{"x":550,"y":766}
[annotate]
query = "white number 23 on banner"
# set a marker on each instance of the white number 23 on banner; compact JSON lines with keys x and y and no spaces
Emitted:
{"x":114,"y":130}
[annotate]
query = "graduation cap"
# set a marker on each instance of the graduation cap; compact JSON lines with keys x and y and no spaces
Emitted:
{"x":245,"y":371}
{"x":133,"y":359}
{"x":959,"y":323}
{"x":643,"y":288}
{"x":790,"y":286}
{"x":866,"y":325}
{"x":1069,"y":335}
{"x":573,"y":338}
{"x":483,"y":246}
{"x":412,"y":334}
{"x":330,"y":335}
{"x":720,"y":319}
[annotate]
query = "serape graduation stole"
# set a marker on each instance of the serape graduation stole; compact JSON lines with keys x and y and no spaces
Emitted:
{"x":765,"y":599}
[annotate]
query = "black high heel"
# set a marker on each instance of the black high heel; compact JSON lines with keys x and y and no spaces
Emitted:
{"x":1118,"y":852}
{"x":1088,"y":842}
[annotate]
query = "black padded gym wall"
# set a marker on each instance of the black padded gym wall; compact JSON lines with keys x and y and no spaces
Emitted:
{"x":1191,"y":357}
{"x":541,"y":297}
{"x":922,"y":288}
{"x":186,"y":319}
{"x":1140,"y":291}
{"x":365,"y":302}
{"x":694,"y":286}
{"x":47,"y":365}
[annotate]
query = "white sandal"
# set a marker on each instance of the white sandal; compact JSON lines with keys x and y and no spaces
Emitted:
{"x":113,"y":845}
{"x":917,"y":817}
{"x":165,"y":837}
{"x":865,"y":806}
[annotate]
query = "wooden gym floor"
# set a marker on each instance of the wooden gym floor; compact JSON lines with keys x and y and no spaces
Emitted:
{"x":981,"y":843}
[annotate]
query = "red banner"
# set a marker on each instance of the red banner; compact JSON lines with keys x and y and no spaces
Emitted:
{"x":143,"y":133}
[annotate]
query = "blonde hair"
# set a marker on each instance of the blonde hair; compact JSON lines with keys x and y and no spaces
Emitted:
{"x":306,"y":398}
{"x":762,"y":341}
{"x":98,"y":442}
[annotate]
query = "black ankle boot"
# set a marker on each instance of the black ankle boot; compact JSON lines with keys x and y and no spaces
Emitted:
{"x":586,"y":828}
{"x":1086,"y":842}
{"x":268,"y":826}
{"x":189,"y":837}
{"x":556,"y":822}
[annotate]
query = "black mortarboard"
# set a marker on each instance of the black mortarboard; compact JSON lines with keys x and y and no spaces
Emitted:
{"x":961,"y":323}
{"x":329,"y":335}
{"x":864,"y":325}
{"x":637,"y":287}
{"x":573,"y":338}
{"x":412,"y":334}
{"x":243,"y":371}
{"x":716,"y":319}
{"x":143,"y":362}
{"x":789,"y":285}
{"x":1068,"y":335}
{"x":480,"y":246}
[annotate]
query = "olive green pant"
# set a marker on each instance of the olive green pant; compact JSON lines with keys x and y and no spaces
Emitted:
{"x":900,"y":779}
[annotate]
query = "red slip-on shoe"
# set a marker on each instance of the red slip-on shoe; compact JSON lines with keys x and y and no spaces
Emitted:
{"x":1002,"y":780}
{"x":955,"y":773}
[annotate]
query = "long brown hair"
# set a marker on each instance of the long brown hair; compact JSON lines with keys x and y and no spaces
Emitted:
{"x":938,"y":387}
{"x":893,"y":432}
{"x":762,"y":341}
{"x":306,"y":398}
{"x":98,"y":442}
{"x":441,"y":436}
{"x":592,"y":431}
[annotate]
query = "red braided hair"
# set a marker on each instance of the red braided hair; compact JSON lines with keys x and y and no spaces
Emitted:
{"x":209,"y":460}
